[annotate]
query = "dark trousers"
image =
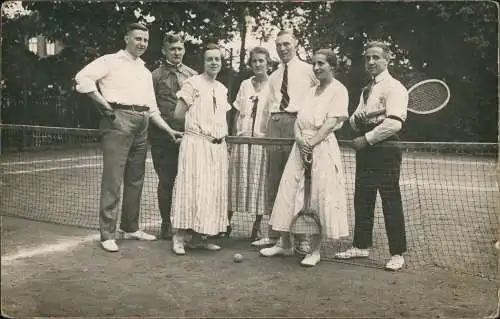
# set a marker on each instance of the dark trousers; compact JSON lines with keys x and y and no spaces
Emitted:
{"x":124,"y":146}
{"x":165,"y":154}
{"x":378,"y":168}
{"x":280,"y":125}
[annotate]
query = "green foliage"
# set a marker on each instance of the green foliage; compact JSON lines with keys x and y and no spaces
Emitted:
{"x":453,"y":41}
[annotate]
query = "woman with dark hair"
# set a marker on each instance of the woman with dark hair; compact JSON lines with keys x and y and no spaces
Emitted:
{"x":324,"y":113}
{"x":248,"y":165}
{"x":200,"y":193}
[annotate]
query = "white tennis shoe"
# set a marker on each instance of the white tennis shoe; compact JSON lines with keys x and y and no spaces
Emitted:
{"x":139,"y":235}
{"x":109,"y":245}
{"x":311,"y":260}
{"x":276,"y":250}
{"x":352,"y":252}
{"x":263,"y":242}
{"x":178,"y":246}
{"x":397,"y":262}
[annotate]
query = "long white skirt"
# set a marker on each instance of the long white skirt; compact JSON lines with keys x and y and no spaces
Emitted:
{"x":200,"y":195}
{"x":328,"y":192}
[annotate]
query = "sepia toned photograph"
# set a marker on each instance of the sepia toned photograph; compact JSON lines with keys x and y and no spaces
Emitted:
{"x":228,"y":159}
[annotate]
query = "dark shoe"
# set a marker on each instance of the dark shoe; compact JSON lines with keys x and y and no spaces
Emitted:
{"x":166,"y":235}
{"x":255,"y":233}
{"x":166,"y":232}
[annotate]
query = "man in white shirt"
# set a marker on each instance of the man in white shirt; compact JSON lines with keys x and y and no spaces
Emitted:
{"x":378,"y":168}
{"x":287,"y":86}
{"x":127,"y":100}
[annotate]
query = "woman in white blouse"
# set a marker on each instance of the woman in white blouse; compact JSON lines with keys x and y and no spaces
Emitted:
{"x":248,"y":169}
{"x":324,"y":111}
{"x":200,"y":197}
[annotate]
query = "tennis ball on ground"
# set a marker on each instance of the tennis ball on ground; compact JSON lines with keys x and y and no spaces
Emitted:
{"x":237,"y":258}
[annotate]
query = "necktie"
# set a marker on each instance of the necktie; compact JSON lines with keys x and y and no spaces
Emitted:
{"x":368,"y":89}
{"x":285,"y":99}
{"x":253,"y":115}
{"x":214,"y":100}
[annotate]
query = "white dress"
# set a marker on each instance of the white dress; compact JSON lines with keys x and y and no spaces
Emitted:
{"x":249,"y":179}
{"x":328,"y":191}
{"x":200,"y":193}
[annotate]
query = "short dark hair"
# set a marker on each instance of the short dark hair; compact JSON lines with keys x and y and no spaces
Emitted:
{"x":136,"y":26}
{"x":211,"y":46}
{"x":259,"y":50}
{"x":379,"y":44}
{"x":330,"y":55}
{"x":172,"y":38}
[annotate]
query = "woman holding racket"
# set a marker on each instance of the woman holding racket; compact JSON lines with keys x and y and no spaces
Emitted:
{"x":315,"y":127}
{"x":247,"y":163}
{"x":378,"y":168}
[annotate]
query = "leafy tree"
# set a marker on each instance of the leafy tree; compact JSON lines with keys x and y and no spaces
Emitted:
{"x":453,"y":41}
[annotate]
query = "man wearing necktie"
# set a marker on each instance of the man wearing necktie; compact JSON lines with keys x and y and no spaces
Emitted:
{"x":378,"y":168}
{"x":288,"y":84}
{"x":167,"y":81}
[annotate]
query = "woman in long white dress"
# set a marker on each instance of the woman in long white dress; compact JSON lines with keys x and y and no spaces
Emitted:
{"x":324,"y":111}
{"x":248,"y":169}
{"x":200,"y":192}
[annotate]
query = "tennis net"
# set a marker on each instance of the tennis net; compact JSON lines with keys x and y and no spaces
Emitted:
{"x":450,"y":194}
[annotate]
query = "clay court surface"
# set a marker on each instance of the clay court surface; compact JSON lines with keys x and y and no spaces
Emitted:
{"x":55,"y":270}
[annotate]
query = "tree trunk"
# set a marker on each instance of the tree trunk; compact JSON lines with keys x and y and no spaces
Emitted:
{"x":243,"y":36}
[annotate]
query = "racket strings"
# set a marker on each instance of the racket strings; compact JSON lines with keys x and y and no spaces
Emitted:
{"x":305,"y":224}
{"x":305,"y":233}
{"x":427,"y":97}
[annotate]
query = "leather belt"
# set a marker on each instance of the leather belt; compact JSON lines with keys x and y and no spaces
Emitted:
{"x":134,"y":108}
{"x":211,"y":139}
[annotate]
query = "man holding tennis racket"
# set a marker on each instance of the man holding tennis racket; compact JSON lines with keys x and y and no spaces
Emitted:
{"x":378,"y":165}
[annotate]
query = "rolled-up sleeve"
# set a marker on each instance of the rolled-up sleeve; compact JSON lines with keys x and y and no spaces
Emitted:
{"x":153,"y":106}
{"x":87,"y":77}
{"x":187,"y":93}
{"x":338,"y":106}
{"x":396,"y":106}
{"x":352,"y":121}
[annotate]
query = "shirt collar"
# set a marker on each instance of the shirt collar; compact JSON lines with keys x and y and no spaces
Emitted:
{"x":382,"y":76}
{"x":128,"y":56}
{"x":170,"y":66}
{"x":294,"y":60}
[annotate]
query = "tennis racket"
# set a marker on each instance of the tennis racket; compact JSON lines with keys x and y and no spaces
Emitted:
{"x":256,"y":224}
{"x":424,"y":97}
{"x":305,"y":227}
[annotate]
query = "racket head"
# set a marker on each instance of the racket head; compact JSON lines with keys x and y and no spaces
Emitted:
{"x":305,"y":231}
{"x":428,"y":96}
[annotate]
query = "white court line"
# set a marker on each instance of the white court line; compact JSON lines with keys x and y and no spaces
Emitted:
{"x":48,"y":248}
{"x":66,"y":159}
{"x":48,"y":169}
{"x":61,"y":246}
{"x":426,"y":160}
{"x":404,"y":182}
{"x":437,"y":185}
{"x":451,"y":161}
